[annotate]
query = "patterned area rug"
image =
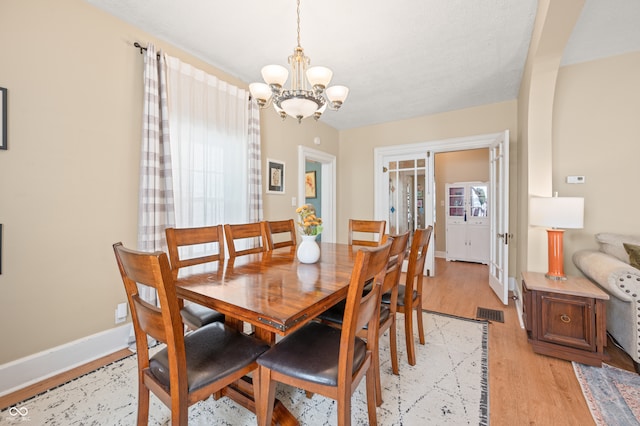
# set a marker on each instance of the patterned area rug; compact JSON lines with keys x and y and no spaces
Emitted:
{"x":448,"y":385}
{"x":613,"y":394}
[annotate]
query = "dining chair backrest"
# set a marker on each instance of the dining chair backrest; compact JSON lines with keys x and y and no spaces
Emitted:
{"x":417,"y":258}
{"x":254,"y":233}
{"x":152,"y":270}
{"x":375,"y":228}
{"x":397,"y":254}
{"x":285,"y":232}
{"x":209,"y":238}
{"x":361,"y":310}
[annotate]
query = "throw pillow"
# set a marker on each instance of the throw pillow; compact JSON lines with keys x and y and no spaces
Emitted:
{"x":612,"y":244}
{"x":634,"y":254}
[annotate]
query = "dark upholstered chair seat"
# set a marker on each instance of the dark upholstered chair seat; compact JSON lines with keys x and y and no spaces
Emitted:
{"x":233,"y":351}
{"x":199,"y":316}
{"x":311,"y":354}
{"x":335,"y":314}
{"x":386,"y":298}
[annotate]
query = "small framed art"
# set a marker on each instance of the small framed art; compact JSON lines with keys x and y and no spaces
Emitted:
{"x":310,"y":185}
{"x":3,"y":118}
{"x":275,"y":177}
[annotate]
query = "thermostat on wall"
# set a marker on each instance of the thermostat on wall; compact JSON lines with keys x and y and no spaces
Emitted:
{"x":575,"y":179}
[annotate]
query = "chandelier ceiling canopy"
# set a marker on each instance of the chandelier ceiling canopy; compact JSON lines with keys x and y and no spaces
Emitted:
{"x":308,"y":94}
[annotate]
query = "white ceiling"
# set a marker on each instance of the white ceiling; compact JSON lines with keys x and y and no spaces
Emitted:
{"x":400,"y":59}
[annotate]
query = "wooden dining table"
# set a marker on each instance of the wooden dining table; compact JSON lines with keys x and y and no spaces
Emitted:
{"x":273,"y":292}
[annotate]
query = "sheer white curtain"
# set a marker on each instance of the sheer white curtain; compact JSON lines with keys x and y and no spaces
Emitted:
{"x":209,"y":124}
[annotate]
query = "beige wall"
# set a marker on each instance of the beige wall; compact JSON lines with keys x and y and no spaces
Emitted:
{"x":596,"y":133}
{"x":280,"y":141}
{"x":69,"y":181}
{"x":452,"y":167}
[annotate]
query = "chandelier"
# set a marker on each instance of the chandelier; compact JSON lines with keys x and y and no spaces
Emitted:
{"x":308,"y":94}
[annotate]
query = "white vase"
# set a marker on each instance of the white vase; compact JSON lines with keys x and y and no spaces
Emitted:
{"x":308,"y":250}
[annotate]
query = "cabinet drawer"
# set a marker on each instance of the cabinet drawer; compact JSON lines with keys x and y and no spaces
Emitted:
{"x":567,"y":320}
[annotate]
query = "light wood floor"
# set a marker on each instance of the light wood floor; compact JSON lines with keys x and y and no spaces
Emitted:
{"x":524,"y":388}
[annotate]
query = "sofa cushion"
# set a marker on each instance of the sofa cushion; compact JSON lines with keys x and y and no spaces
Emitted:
{"x":613,"y":244}
{"x":634,"y":254}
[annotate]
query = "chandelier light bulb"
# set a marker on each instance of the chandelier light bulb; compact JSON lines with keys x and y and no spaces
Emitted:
{"x":261,"y":92}
{"x":319,"y":77}
{"x":337,"y":95}
{"x":275,"y":75}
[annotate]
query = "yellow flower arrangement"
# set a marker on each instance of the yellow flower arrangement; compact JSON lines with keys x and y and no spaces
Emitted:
{"x":309,"y":223}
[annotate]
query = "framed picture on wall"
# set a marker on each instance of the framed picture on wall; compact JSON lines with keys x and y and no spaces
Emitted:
{"x":310,"y":185}
{"x":3,"y":118}
{"x":275,"y":177}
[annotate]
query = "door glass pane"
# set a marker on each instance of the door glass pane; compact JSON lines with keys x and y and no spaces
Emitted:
{"x":407,"y":196}
{"x":406,"y":164}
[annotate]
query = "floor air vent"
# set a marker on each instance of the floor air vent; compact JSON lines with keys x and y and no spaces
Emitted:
{"x":490,"y":314}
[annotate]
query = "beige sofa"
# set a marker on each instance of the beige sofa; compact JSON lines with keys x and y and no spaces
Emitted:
{"x":609,"y":268}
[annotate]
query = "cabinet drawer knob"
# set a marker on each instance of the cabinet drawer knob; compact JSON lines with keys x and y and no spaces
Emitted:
{"x":565,"y":318}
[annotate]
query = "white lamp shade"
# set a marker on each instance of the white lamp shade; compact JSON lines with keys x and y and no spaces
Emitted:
{"x":337,"y":93}
{"x":275,"y":74}
{"x":299,"y":107}
{"x":260,"y":91}
{"x":319,"y":76}
{"x":557,"y":212}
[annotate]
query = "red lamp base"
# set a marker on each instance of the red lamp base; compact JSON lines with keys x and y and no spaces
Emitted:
{"x":556,"y":260}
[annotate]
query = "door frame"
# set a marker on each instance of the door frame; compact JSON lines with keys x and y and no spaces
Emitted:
{"x":419,"y":148}
{"x":327,"y":187}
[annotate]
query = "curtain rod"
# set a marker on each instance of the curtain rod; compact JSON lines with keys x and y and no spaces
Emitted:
{"x":142,"y":48}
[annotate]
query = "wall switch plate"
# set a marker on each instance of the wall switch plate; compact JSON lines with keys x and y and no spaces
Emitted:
{"x":294,"y":201}
{"x":575,"y":179}
{"x":121,"y":313}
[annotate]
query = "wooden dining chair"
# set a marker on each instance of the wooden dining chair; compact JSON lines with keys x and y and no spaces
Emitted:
{"x":335,"y":315}
{"x":325,"y":360}
{"x":190,"y":368}
{"x":254,"y":233}
{"x":285,"y":230}
{"x":373,"y":227}
{"x":210,"y":240}
{"x":409,"y":296}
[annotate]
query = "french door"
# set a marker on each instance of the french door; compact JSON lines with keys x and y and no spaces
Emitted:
{"x":408,"y":200}
{"x":499,"y":205}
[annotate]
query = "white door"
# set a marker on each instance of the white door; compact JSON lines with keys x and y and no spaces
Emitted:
{"x":499,"y":208}
{"x":409,"y":197}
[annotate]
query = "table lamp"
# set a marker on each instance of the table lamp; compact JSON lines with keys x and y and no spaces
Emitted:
{"x":556,"y":214}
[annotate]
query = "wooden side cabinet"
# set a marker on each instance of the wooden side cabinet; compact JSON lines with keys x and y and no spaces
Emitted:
{"x":565,"y":319}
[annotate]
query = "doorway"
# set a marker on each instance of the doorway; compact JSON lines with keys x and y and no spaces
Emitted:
{"x":498,"y":144}
{"x":324,"y":166}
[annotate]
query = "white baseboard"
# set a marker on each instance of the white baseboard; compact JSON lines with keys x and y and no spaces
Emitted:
{"x":18,"y":374}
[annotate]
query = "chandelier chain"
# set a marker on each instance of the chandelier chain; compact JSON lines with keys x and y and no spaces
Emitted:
{"x":298,"y":13}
